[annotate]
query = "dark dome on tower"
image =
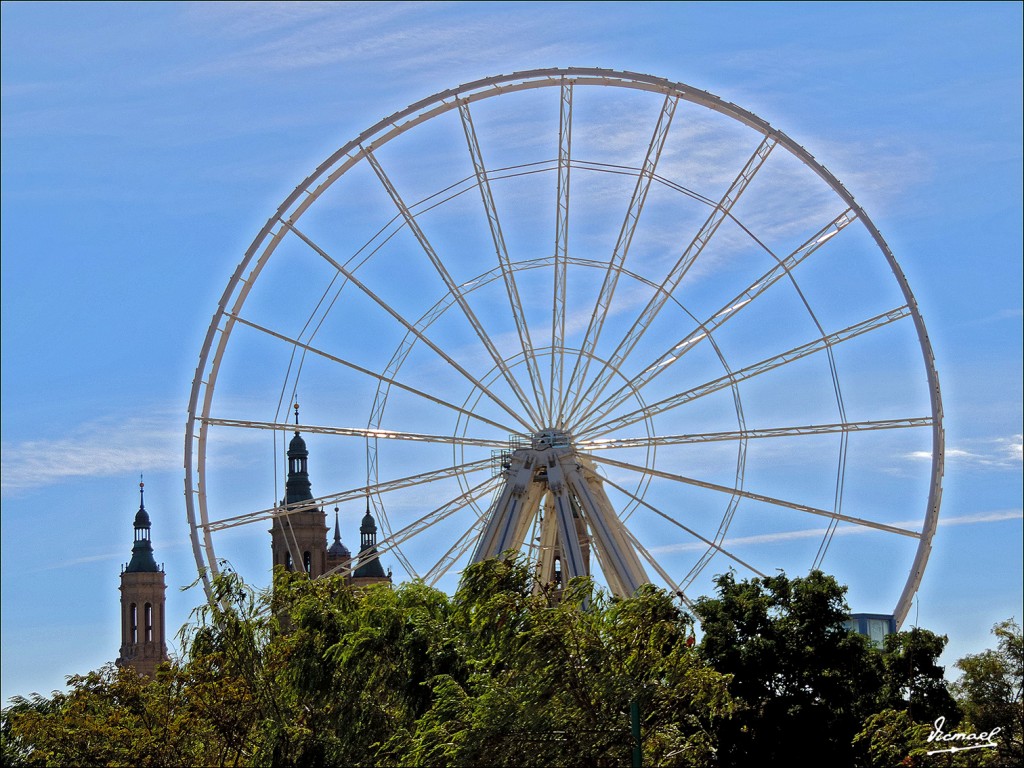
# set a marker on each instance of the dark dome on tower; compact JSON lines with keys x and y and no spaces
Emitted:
{"x":142,"y":518}
{"x":369,"y":560}
{"x":297,"y":446}
{"x":297,"y":487}
{"x":337,"y":550}
{"x":142,"y":550}
{"x":369,"y":525}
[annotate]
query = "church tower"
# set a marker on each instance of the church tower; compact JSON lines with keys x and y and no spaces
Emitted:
{"x":298,"y":537}
{"x":370,"y":570}
{"x":143,"y":642}
{"x":338,"y":555}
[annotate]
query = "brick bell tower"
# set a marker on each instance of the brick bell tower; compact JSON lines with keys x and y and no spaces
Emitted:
{"x":298,"y":537}
{"x":143,"y":591}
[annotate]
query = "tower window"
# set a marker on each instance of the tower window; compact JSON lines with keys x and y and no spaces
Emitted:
{"x":149,"y":622}
{"x":133,"y":624}
{"x":287,"y":561}
{"x":307,"y":562}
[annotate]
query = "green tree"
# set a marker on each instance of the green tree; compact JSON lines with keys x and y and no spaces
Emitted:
{"x":891,"y":738}
{"x":313,"y":673}
{"x":113,"y":717}
{"x":912,"y":679}
{"x":989,"y":691}
{"x":803,"y":682}
{"x":550,"y":681}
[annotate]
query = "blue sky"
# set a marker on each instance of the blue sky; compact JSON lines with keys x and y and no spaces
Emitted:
{"x":145,"y":145}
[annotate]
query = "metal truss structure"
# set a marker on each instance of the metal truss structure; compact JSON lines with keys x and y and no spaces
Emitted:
{"x":532,"y":388}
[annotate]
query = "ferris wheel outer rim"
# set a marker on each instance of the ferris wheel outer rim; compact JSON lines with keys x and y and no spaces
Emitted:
{"x":444,"y":101}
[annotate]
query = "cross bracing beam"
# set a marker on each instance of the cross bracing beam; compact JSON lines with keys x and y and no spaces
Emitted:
{"x":501,"y":250}
{"x":366,"y":371}
{"x":756,"y":369}
{"x":704,"y":330}
{"x":452,"y":286}
{"x":750,"y":434}
{"x":416,"y":527}
{"x":759,"y":497}
{"x":618,"y":257}
{"x":352,"y":494}
{"x":561,"y":253}
{"x":410,"y":327}
{"x":682,"y":266}
{"x":377,"y":434}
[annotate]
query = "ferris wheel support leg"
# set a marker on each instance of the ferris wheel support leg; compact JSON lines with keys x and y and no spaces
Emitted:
{"x":569,"y":549}
{"x":548,"y":543}
{"x":528,"y":511}
{"x":505,"y":517}
{"x":618,"y":556}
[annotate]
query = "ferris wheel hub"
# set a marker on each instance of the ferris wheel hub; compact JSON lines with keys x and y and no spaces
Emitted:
{"x":550,"y":438}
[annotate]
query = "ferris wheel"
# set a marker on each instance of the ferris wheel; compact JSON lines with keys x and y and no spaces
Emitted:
{"x":610,"y":320}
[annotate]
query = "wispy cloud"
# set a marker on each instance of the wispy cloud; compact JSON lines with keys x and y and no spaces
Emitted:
{"x":983,"y":453}
{"x":844,"y":530}
{"x":117,"y":555}
{"x":106,"y":447}
{"x":101,"y":448}
{"x":385,"y":37}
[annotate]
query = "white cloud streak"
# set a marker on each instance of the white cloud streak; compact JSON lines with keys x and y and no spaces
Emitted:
{"x":995,"y":453}
{"x":384,"y":37}
{"x":845,"y":530}
{"x":106,"y":447}
{"x":102,"y":448}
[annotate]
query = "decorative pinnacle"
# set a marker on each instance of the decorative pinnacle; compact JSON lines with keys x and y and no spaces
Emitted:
{"x":296,"y":414}
{"x":142,"y":486}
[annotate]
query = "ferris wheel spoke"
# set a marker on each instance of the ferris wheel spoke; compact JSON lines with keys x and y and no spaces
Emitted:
{"x":360,"y":432}
{"x":409,"y":326}
{"x":450,"y":507}
{"x":501,"y":250}
{"x":359,"y":492}
{"x":711,"y":544}
{"x":718,"y":214}
{"x":618,"y":258}
{"x":758,"y":497}
{"x":456,"y":552}
{"x":561,"y":252}
{"x":372,"y":374}
{"x":748,"y":434}
{"x":452,"y":286}
{"x":672,"y":583}
{"x":783,"y":268}
{"x":768,"y":364}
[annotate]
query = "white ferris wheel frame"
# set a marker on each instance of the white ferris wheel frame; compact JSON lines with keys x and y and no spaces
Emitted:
{"x":564,"y":388}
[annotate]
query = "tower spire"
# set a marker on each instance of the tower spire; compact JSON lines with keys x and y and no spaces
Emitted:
{"x":337,"y":553}
{"x":369,"y":560}
{"x":142,"y":550}
{"x":299,"y":537}
{"x":297,"y":486}
{"x":143,"y":592}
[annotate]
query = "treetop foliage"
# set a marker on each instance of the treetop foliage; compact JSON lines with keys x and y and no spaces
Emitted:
{"x":503,"y":673}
